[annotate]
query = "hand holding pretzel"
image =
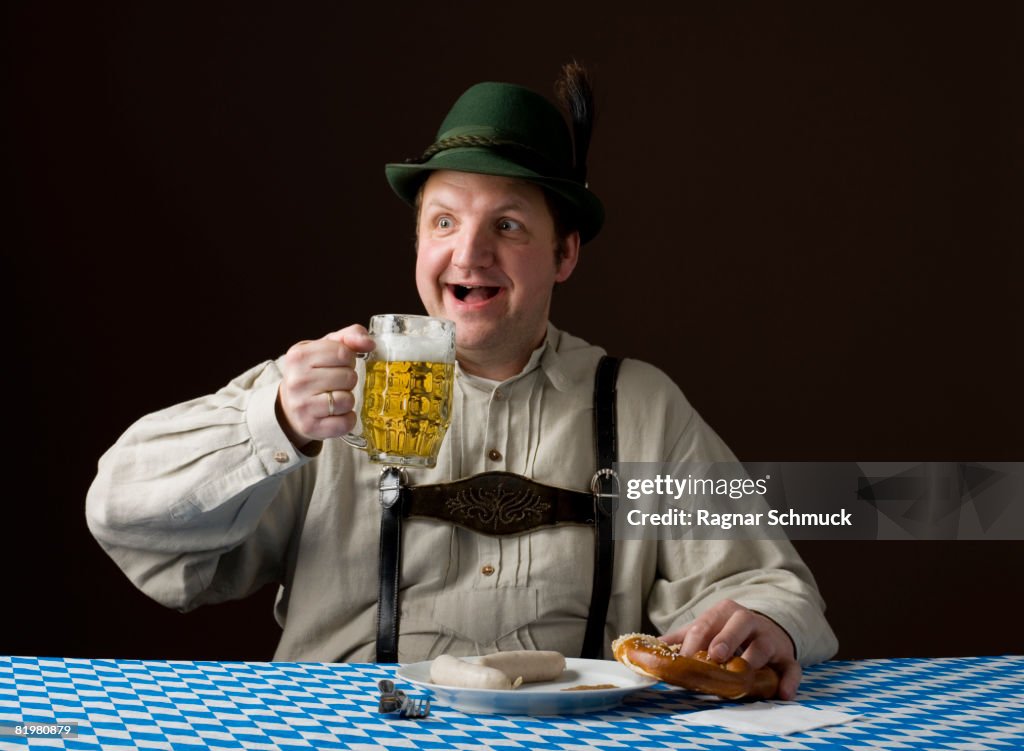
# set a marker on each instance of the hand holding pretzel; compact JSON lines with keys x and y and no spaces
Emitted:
{"x":728,"y":629}
{"x":734,"y":679}
{"x":315,"y":399}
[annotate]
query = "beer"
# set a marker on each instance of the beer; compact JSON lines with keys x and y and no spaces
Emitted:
{"x":407,"y":390}
{"x":407,"y":409}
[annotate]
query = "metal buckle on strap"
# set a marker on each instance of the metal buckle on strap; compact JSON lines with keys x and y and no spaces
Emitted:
{"x":391,"y":481}
{"x":605,"y":501}
{"x":601,"y":474}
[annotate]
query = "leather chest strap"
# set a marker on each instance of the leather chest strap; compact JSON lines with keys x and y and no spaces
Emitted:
{"x":389,"y":564}
{"x":605,"y":489}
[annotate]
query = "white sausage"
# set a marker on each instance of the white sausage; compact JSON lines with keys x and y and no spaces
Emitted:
{"x":451,"y":671}
{"x":529,"y":664}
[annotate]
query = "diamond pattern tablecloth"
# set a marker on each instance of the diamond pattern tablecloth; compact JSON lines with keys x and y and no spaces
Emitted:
{"x":961,"y":704}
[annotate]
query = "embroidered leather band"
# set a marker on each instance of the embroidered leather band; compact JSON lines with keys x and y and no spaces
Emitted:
{"x":499,"y":503}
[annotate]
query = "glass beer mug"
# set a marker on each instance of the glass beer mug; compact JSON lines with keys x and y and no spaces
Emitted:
{"x":407,"y":390}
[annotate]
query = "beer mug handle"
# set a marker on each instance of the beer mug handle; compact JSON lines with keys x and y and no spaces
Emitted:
{"x":356,"y":441}
{"x":353,"y":440}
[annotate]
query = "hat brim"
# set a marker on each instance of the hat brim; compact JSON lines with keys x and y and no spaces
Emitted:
{"x":407,"y":179}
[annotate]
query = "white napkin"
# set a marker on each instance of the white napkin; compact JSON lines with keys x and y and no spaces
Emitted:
{"x":766,"y":718}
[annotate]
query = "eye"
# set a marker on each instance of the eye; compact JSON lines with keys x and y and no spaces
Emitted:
{"x":507,"y":224}
{"x":445,"y":222}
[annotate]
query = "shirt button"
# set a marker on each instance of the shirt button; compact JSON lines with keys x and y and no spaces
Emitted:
{"x":281,"y":457}
{"x":487,"y":570}
{"x":499,"y":395}
{"x":494,"y":455}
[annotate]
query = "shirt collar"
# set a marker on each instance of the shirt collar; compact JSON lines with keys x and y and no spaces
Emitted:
{"x":551,"y":361}
{"x":545,"y":357}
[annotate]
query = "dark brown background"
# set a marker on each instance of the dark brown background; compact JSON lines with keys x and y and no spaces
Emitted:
{"x":814,"y":226}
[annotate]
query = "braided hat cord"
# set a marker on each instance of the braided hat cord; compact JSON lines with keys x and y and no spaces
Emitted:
{"x":456,"y":142}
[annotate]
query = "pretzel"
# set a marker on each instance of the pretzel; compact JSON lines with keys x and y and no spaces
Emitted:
{"x":735,"y":679}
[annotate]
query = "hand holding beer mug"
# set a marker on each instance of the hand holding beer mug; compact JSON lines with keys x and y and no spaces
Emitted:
{"x":407,"y":390}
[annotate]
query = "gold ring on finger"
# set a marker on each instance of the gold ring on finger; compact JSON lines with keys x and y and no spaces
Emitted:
{"x":330,"y":403}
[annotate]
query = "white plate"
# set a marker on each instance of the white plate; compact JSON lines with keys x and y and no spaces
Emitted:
{"x":549,"y":697}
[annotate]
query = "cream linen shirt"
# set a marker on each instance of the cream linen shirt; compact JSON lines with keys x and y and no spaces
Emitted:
{"x":208,"y":501}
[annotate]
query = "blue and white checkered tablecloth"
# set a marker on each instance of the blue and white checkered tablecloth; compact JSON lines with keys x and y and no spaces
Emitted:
{"x":960,"y":704}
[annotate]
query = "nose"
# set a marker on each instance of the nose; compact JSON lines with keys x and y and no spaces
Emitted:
{"x":474,"y":248}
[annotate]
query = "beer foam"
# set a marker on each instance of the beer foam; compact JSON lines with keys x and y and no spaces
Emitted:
{"x":394,"y":347}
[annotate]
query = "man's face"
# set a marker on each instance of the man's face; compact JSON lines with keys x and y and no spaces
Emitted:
{"x":486,"y":260}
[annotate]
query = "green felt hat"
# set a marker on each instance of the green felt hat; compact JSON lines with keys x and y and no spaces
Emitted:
{"x":506,"y":130}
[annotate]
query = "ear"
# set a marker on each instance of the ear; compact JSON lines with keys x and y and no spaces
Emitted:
{"x":568,"y":261}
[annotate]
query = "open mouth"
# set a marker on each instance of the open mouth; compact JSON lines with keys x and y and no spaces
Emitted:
{"x":471,"y":294}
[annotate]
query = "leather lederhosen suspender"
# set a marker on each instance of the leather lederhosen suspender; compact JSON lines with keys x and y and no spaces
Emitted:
{"x":503,"y":503}
{"x":605,"y":489}
{"x":389,"y":565}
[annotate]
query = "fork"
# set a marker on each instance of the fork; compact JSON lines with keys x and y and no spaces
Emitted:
{"x":413,"y":709}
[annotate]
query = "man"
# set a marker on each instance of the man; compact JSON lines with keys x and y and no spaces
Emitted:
{"x":212,"y":499}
